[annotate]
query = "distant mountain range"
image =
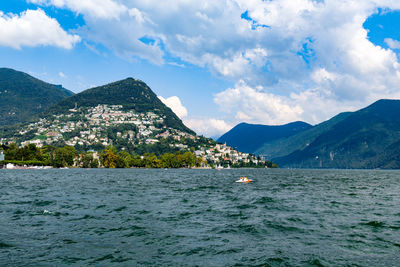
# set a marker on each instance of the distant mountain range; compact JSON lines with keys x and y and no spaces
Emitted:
{"x":128,"y":114}
{"x":125,"y":114}
{"x":249,"y":137}
{"x":368,"y":138}
{"x":22,"y":96}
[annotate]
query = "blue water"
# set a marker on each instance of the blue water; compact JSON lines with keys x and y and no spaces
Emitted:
{"x":199,"y":217}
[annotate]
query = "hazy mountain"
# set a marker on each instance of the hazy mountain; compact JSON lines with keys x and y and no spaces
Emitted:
{"x":250,"y":137}
{"x":22,"y":96}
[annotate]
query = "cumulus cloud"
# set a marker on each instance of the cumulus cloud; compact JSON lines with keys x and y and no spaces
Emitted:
{"x":393,"y":44}
{"x":175,"y":104}
{"x":210,"y":127}
{"x":289,"y":59}
{"x":33,"y":28}
{"x":253,"y":105}
{"x":106,"y":9}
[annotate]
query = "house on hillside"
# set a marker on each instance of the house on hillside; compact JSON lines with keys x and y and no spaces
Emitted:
{"x":1,"y":155}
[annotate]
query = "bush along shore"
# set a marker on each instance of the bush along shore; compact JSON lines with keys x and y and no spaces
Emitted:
{"x":67,"y":156}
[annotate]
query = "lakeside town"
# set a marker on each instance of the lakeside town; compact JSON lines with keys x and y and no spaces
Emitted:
{"x":93,"y":129}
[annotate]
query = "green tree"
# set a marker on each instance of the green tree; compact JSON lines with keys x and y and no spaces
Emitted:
{"x":109,"y":158}
{"x":128,"y":158}
{"x":64,"y":156}
{"x":169,"y":160}
{"x":188,"y":159}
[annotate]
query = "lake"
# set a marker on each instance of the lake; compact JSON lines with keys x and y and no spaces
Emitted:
{"x":139,"y":217}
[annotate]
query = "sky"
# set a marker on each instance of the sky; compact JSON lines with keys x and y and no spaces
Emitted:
{"x":215,"y":63}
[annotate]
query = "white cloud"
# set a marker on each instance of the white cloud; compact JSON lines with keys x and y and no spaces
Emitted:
{"x":292,"y":57}
{"x":393,"y":44}
{"x":253,"y":105}
{"x":209,"y":127}
{"x":33,"y":28}
{"x":106,"y":9}
{"x":62,"y":75}
{"x":175,"y":104}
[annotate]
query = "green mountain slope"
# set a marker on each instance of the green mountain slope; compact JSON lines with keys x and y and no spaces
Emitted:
{"x":22,"y":96}
{"x":284,"y":146}
{"x":368,"y":138}
{"x":132,"y":94}
{"x":250,"y":137}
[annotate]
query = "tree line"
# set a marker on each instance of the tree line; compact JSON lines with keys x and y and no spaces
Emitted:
{"x":68,"y":156}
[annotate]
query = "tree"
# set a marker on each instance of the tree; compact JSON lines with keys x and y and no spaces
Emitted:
{"x":87,"y":161}
{"x":169,"y":160}
{"x":128,"y":158}
{"x":151,"y":161}
{"x":189,"y":159}
{"x":108,"y":158}
{"x":64,"y":156}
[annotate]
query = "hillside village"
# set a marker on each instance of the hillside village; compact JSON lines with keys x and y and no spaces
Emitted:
{"x":94,"y":128}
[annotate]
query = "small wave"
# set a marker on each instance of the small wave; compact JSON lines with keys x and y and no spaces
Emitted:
{"x":137,"y":231}
{"x":245,"y":206}
{"x":264,"y":200}
{"x":41,"y":203}
{"x":185,"y":215}
{"x":106,"y":257}
{"x":120,"y":209}
{"x":69,"y":241}
{"x":229,"y":251}
{"x":283,"y":228}
{"x":226,"y":231}
{"x":85,"y":217}
{"x":275,"y":260}
{"x":294,"y":219}
{"x":248,"y":228}
{"x":71,"y":260}
{"x":121,"y":259}
{"x":143,"y":212}
{"x":316,"y":262}
{"x":375,"y":224}
{"x":237,"y":215}
{"x":17,"y":212}
{"x":5,"y":245}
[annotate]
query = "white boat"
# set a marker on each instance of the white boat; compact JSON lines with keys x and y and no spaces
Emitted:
{"x":244,"y":180}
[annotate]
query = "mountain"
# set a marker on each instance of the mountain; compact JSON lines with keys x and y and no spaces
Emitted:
{"x":22,"y":96}
{"x":250,"y":137}
{"x":132,"y":94}
{"x":126,"y":114}
{"x":284,"y":146}
{"x":368,"y":138}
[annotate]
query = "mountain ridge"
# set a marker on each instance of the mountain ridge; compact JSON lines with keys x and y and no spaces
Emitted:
{"x":239,"y":135}
{"x":23,"y":96}
{"x":363,"y":139}
{"x":131,"y":93}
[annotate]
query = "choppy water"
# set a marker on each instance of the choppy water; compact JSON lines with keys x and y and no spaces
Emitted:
{"x":199,"y":217}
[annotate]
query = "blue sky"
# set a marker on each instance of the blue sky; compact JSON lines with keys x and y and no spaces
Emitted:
{"x":216,"y":63}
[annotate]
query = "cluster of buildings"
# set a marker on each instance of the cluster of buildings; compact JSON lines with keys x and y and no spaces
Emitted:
{"x":89,"y":126}
{"x":219,"y":153}
{"x":107,"y":124}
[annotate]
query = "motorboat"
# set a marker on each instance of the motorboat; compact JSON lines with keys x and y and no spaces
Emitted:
{"x":244,"y":179}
